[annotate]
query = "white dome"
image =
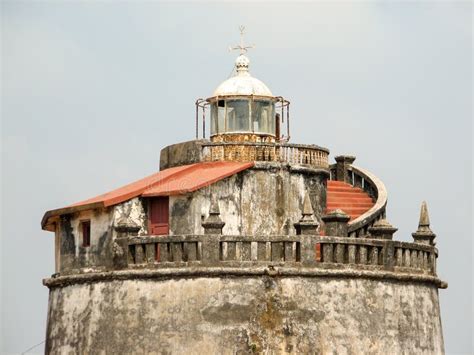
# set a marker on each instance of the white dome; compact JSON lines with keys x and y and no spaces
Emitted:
{"x":242,"y":83}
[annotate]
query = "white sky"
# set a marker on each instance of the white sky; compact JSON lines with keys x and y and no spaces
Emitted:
{"x":91,"y":91}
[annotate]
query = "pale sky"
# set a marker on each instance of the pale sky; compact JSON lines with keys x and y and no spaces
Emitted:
{"x":91,"y":91}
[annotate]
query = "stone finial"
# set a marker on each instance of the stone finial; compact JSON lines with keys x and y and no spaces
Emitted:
{"x":213,"y":224}
{"x":342,"y":167}
{"x":307,"y":208}
{"x":424,"y":234}
{"x":335,"y":223}
{"x":382,"y":230}
{"x":307,"y":224}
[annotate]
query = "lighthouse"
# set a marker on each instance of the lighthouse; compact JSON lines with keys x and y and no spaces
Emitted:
{"x":242,"y":242}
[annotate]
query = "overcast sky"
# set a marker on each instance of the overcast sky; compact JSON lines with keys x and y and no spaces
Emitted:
{"x":91,"y":91}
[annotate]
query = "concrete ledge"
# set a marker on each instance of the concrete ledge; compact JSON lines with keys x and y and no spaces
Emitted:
{"x":171,"y":273}
{"x":297,"y":168}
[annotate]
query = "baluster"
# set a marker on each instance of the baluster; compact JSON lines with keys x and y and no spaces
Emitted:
{"x":414,"y":259}
{"x":327,"y":252}
{"x":139,"y":254}
{"x":340,"y":249}
{"x":268,"y":251}
{"x":399,"y":257}
{"x":150,"y":252}
{"x":231,"y":251}
{"x":374,"y":257}
{"x":363,"y":255}
{"x":165,"y":252}
{"x":289,"y":251}
{"x":352,"y":254}
{"x":177,"y":251}
{"x":238,"y":251}
{"x":254,"y":251}
{"x":199,"y":251}
{"x":425,"y":261}
{"x":420,"y":259}
{"x":407,"y":258}
{"x":245,"y":252}
{"x":433,"y":261}
{"x":224,"y":251}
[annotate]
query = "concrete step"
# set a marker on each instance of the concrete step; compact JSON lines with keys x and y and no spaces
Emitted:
{"x":352,"y":200}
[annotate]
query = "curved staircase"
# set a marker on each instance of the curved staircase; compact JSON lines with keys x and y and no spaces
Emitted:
{"x":352,"y":200}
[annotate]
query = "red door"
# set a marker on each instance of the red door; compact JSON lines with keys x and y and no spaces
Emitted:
{"x":159,"y":215}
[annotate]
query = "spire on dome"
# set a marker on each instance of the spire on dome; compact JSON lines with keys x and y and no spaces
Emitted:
{"x":242,"y":62}
{"x":243,"y":48}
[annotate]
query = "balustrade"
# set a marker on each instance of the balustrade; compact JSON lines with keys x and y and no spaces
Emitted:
{"x":299,"y":154}
{"x":299,"y":250}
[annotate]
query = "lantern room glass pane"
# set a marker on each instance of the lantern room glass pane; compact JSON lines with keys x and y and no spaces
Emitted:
{"x":263,"y":117}
{"x":238,"y":116}
{"x":218,"y":117}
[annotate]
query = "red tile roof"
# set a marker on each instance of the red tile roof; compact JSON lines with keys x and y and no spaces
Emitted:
{"x":172,"y":181}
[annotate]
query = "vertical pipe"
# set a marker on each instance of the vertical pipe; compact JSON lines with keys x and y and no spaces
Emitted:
{"x":277,"y":127}
{"x":288,"y":119}
{"x":197,"y":120}
{"x":216,"y":118}
{"x":225,"y":117}
{"x":204,"y":121}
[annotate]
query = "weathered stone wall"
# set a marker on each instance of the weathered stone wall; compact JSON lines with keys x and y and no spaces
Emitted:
{"x":181,"y":154}
{"x":242,"y":315}
{"x":266,"y":200}
{"x":73,"y":255}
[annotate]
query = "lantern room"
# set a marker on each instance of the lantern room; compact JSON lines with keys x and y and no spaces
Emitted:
{"x":242,"y":108}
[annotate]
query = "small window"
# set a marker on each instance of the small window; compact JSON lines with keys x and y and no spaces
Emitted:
{"x":86,"y":233}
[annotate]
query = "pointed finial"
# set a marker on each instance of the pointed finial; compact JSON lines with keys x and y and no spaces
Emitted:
{"x":213,"y":224}
{"x":307,"y":208}
{"x":424,"y":217}
{"x":214,"y":208}
{"x":424,"y":234}
{"x":307,"y":224}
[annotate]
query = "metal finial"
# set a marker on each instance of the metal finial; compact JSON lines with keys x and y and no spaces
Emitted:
{"x":243,"y":48}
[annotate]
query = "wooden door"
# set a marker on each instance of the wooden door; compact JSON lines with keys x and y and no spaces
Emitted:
{"x":159,"y":215}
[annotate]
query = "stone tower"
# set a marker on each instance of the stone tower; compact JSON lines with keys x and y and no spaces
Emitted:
{"x":242,"y":243}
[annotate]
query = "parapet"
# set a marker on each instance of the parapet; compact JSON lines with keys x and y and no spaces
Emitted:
{"x":195,"y":151}
{"x":308,"y":255}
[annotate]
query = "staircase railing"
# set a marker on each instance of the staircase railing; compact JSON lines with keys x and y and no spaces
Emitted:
{"x":368,"y":182}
